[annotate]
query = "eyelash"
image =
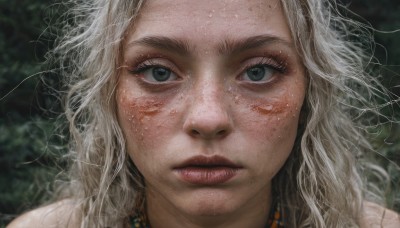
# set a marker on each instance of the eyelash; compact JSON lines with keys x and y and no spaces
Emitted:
{"x":279,"y":66}
{"x":146,"y":65}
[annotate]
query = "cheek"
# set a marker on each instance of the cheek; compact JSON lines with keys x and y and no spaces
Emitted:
{"x":141,"y":119}
{"x":273,"y":134}
{"x":271,"y":120}
{"x":269,"y":126}
{"x":277,"y":118}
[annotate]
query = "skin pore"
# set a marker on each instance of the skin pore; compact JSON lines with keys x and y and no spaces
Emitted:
{"x":226,"y":85}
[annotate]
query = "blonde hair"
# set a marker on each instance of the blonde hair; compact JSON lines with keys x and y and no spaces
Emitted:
{"x":320,"y":184}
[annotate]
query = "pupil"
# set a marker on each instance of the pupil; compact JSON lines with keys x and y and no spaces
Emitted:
{"x":161,"y":74}
{"x":256,"y":73}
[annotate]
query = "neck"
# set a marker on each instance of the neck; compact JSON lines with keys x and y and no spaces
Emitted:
{"x":254,"y":213}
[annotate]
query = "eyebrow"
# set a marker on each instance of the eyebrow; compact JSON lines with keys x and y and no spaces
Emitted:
{"x":236,"y":46}
{"x":165,"y":43}
{"x":227,"y":46}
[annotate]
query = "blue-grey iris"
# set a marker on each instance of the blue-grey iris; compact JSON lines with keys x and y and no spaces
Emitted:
{"x":161,"y":74}
{"x":256,"y":73}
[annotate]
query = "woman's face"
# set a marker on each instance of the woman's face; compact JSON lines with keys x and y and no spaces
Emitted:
{"x":209,"y":99}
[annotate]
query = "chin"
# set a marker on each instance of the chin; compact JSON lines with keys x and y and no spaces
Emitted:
{"x":211,"y":203}
{"x":209,"y":209}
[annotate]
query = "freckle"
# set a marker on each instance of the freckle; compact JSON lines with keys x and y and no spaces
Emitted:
{"x":269,"y":6}
{"x":251,"y":9}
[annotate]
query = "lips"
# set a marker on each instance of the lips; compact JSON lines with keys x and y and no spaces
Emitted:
{"x":202,"y":170}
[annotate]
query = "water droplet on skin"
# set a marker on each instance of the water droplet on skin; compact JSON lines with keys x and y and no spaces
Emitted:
{"x":237,"y":99}
{"x":236,"y":16}
{"x":210,"y":15}
{"x":279,"y":118}
{"x":268,"y":108}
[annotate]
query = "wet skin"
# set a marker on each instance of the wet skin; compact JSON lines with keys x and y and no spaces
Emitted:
{"x":209,"y":79}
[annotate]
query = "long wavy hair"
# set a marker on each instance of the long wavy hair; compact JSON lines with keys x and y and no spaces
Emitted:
{"x":322,"y":183}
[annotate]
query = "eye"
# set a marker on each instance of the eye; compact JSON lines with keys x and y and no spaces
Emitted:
{"x":258,"y":73}
{"x":155,"y":73}
{"x":159,"y":74}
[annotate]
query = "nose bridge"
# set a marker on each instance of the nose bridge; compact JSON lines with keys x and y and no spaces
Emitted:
{"x":209,"y":95}
{"x":208,"y":114}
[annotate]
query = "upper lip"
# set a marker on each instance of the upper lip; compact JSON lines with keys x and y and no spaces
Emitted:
{"x":205,"y":161}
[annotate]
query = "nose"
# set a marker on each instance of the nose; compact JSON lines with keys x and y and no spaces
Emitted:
{"x":207,"y":114}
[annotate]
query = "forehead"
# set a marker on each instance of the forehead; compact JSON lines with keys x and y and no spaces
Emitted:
{"x":211,"y":20}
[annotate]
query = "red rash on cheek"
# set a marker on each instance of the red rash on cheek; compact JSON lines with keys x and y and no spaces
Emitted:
{"x":136,"y":112}
{"x":145,"y":107}
{"x":287,"y":103}
{"x":268,"y":109}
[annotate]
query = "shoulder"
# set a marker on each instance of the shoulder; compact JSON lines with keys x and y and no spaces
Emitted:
{"x":59,"y":214}
{"x":374,"y":215}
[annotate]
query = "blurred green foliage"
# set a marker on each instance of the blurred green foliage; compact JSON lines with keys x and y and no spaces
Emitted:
{"x":28,"y":145}
{"x":384,"y":16}
{"x":27,"y":142}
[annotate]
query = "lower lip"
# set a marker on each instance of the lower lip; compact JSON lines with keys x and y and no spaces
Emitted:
{"x":207,"y":175}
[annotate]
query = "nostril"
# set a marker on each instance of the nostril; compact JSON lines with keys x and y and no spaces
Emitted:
{"x":194,"y":132}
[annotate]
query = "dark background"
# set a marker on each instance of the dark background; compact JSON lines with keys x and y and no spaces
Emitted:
{"x":30,"y":144}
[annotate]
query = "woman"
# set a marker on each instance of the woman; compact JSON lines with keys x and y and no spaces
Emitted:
{"x":213,"y":114}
